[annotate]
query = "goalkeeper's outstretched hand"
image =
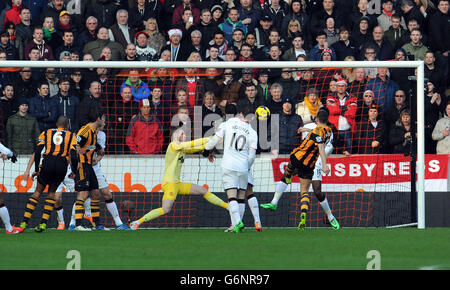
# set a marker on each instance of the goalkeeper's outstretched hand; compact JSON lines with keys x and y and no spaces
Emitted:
{"x":13,"y":159}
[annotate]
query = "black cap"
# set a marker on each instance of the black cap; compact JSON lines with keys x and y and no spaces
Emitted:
{"x":287,"y":99}
{"x":3,"y":33}
{"x":266,"y":17}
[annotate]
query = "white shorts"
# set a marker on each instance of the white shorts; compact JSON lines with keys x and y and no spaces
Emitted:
{"x":250,"y":177}
{"x":102,"y":182}
{"x":68,"y":183}
{"x":317,"y":171}
{"x":234,"y":179}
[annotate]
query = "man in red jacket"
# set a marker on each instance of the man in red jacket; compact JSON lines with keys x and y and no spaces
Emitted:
{"x":342,"y":109}
{"x":12,"y":14}
{"x":144,"y":133}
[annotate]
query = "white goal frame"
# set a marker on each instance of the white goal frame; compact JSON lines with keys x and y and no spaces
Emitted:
{"x":418,"y":65}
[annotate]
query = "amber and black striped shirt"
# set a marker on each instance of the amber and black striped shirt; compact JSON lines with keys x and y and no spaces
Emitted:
{"x":308,"y":151}
{"x":87,"y":140}
{"x":56,"y":142}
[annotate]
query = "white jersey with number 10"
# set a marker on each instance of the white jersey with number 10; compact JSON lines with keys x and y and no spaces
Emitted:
{"x":238,"y":138}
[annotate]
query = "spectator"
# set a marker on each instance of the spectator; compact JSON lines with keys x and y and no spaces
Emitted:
{"x":384,"y":49}
{"x":383,"y":89}
{"x":177,"y":50}
{"x":65,"y":23}
{"x":76,"y":84}
{"x":193,"y":85}
{"x":45,"y":51}
{"x":104,"y":11}
{"x":24,"y":87}
{"x":290,"y":86}
{"x":289,"y":123}
{"x":231,"y":23}
{"x":178,"y":13}
{"x":342,"y":109}
{"x":369,"y":135}
{"x":68,"y":43}
{"x":160,"y":108}
{"x":441,"y":132}
{"x":308,"y":108}
{"x":263,"y":88}
{"x":395,"y":32}
{"x":274,"y":104}
{"x":144,"y":134}
{"x":8,"y":107}
{"x":121,"y":31}
{"x":13,"y":13}
{"x":361,"y":34}
{"x":12,"y":53}
{"x":130,"y":52}
{"x":415,"y":48}
{"x":331,"y":31}
{"x":141,"y":11}
{"x":274,"y":55}
{"x":297,"y":12}
{"x":434,"y":73}
{"x":120,"y":115}
{"x":322,"y":44}
{"x":213,"y":53}
{"x":438,"y":32}
{"x":248,"y":14}
{"x":206,"y":26}
{"x":143,"y":51}
{"x":318,"y":18}
{"x":307,"y":80}
{"x":297,"y":49}
{"x":411,"y":11}
{"x":400,"y":136}
{"x":67,"y":104}
{"x":433,"y":107}
{"x":44,"y":108}
{"x":156,"y":39}
{"x":139,"y":88}
{"x":257,"y":53}
{"x":361,"y":12}
{"x":238,"y":38}
{"x":89,"y":33}
{"x":412,"y":24}
{"x":364,"y":104}
{"x":219,"y":40}
{"x":250,"y":98}
{"x":92,"y":101}
{"x":210,"y":114}
{"x":385,"y":19}
{"x":277,"y":11}
{"x":196,"y":43}
{"x":22,"y":130}
{"x":51,"y":36}
{"x":217,"y":15}
{"x":24,"y":29}
{"x":95,"y":47}
{"x":262,"y":31}
{"x":345,"y":46}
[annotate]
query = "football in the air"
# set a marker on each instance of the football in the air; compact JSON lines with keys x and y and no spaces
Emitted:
{"x":262,"y":113}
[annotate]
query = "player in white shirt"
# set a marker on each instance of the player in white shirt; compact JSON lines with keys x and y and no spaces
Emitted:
{"x":239,"y":151}
{"x":316,"y":180}
{"x":6,"y":153}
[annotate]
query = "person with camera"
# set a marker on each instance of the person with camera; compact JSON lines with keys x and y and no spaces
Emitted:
{"x":415,"y":49}
{"x":433,"y":106}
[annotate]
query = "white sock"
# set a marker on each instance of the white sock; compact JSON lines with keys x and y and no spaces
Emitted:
{"x":112,"y":208}
{"x":254,"y":207}
{"x":233,"y":208}
{"x":60,"y":216}
{"x":279,"y":190}
{"x":72,"y":218}
{"x":326,"y":208}
{"x":87,"y":207}
{"x":4,"y":215}
{"x":241,"y":210}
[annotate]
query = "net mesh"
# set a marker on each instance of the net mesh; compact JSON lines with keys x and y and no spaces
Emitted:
{"x":368,"y":187}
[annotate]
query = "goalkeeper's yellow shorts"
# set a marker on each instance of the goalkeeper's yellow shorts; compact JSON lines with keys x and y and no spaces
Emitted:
{"x":171,"y":190}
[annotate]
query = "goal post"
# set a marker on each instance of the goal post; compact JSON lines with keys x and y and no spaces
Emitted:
{"x":417,"y":65}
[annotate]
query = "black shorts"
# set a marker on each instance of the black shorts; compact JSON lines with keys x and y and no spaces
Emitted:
{"x":53,"y":170}
{"x":302,"y":171}
{"x":85,"y":179}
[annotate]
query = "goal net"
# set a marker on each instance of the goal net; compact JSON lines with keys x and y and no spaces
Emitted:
{"x":372,"y":159}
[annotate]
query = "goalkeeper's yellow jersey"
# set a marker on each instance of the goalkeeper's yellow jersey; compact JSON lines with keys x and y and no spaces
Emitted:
{"x":175,"y":157}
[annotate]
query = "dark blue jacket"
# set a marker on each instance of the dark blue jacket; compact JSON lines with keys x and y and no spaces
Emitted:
{"x":288,"y":136}
{"x":68,"y":106}
{"x":44,"y":110}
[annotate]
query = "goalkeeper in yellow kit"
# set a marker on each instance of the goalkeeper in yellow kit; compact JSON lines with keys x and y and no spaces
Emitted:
{"x":171,"y":184}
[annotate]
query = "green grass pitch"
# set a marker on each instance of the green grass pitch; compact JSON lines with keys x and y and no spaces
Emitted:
{"x":212,"y":249}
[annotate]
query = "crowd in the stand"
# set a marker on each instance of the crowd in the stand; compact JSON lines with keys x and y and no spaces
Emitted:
{"x":371,"y":110}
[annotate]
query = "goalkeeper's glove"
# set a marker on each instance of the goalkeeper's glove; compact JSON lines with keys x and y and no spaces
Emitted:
{"x":205,"y":153}
{"x":13,"y":159}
